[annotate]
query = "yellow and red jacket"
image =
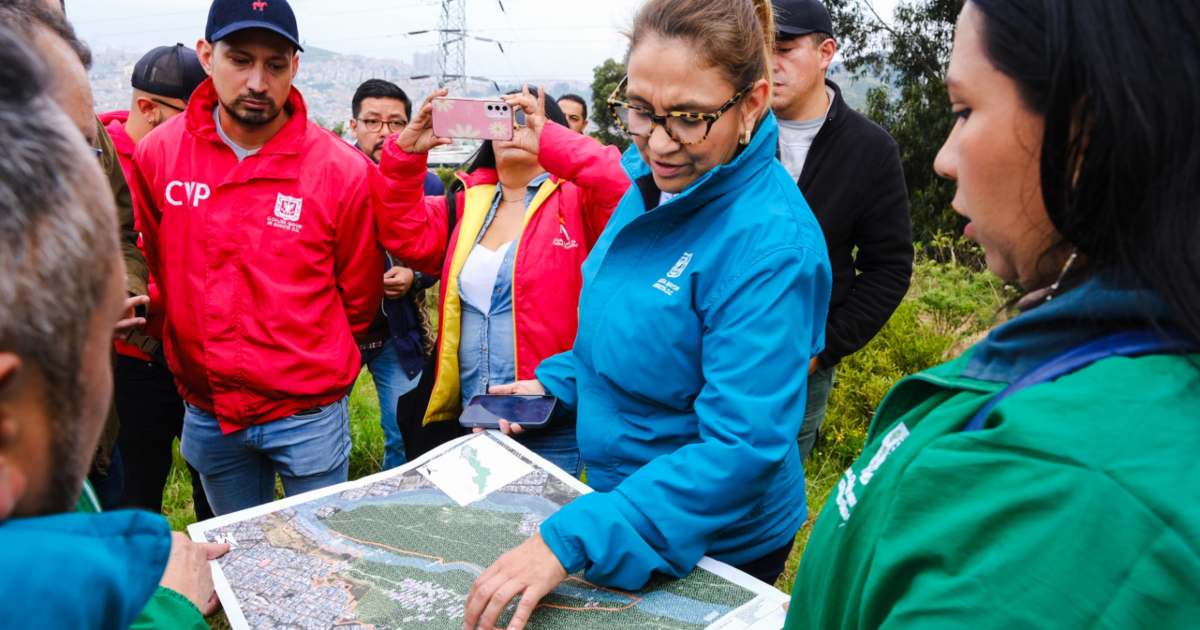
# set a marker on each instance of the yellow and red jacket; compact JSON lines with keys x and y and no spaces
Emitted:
{"x":561,"y":225}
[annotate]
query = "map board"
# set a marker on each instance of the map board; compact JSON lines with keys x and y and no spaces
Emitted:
{"x":400,"y":549}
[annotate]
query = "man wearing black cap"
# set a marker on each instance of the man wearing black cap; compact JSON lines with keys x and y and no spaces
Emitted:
{"x":163,"y":81}
{"x":849,"y":171}
{"x":148,"y":405}
{"x":258,"y":228}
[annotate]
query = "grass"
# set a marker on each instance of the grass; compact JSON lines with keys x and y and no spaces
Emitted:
{"x":948,"y":307}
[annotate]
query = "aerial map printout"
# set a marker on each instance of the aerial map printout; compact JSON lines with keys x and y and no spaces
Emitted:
{"x":401,"y":549}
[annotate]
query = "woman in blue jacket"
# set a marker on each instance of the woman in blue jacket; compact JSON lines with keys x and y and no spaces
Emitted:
{"x":703,"y":302}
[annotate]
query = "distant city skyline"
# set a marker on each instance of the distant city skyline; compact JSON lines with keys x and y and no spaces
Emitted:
{"x":542,"y":39}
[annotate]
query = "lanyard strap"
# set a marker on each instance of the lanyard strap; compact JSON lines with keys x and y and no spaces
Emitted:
{"x":1126,"y":344}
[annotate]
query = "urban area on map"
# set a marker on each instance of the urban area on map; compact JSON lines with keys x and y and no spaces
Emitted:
{"x":401,"y":550}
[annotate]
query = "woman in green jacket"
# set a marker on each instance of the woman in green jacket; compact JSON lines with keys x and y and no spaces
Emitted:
{"x":1050,"y":477}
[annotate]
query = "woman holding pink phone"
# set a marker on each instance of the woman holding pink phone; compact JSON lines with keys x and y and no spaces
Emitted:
{"x":507,"y":241}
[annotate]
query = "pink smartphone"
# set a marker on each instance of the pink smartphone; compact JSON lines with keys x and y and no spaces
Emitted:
{"x":472,"y":118}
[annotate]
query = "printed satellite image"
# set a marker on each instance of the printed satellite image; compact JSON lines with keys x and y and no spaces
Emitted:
{"x":402,"y":549}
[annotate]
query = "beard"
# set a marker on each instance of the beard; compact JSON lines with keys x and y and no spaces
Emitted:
{"x":253,"y":117}
{"x":72,"y":460}
{"x":374,"y":152}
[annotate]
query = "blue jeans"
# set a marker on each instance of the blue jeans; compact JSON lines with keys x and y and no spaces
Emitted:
{"x":309,"y":452}
{"x":558,"y":445}
{"x":820,"y":383}
{"x":391,"y":383}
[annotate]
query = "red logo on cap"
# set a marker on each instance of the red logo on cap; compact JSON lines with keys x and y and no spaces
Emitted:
{"x":259,"y":5}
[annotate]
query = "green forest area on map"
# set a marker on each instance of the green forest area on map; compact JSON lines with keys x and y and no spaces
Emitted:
{"x":478,"y":537}
{"x":401,"y":553}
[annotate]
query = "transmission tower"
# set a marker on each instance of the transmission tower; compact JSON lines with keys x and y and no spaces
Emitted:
{"x":452,"y":44}
{"x":452,"y":30}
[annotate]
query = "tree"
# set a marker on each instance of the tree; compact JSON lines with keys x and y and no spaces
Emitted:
{"x":911,"y":55}
{"x":606,"y":77}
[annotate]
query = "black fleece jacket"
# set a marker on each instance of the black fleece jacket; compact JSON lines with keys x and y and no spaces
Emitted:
{"x":854,"y":183}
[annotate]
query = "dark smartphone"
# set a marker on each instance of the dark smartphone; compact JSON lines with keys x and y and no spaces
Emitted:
{"x":487,"y":411}
{"x":139,"y":311}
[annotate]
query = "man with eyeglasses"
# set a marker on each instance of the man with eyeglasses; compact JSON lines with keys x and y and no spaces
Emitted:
{"x":394,"y":348}
{"x":148,"y":404}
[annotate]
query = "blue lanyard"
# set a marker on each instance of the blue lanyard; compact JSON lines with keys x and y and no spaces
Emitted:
{"x":1126,"y":344}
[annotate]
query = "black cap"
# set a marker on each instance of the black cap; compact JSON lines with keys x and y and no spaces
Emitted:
{"x":801,"y":17}
{"x":227,"y":17}
{"x":170,"y":71}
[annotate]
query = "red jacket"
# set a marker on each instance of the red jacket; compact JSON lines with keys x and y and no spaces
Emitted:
{"x":268,"y":267}
{"x":561,"y":225}
{"x":114,"y":123}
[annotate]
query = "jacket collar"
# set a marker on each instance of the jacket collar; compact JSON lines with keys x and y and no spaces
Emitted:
{"x":288,"y":141}
{"x":486,"y":176}
{"x":837,"y":106}
{"x":733,"y":176}
{"x":834,"y":119}
{"x":482,"y":176}
{"x":114,"y":122}
{"x":1098,"y":306}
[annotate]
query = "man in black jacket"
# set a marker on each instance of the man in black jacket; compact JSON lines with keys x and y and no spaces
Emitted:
{"x":849,"y":171}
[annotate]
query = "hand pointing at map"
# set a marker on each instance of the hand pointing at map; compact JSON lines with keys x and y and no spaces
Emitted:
{"x":530,"y":571}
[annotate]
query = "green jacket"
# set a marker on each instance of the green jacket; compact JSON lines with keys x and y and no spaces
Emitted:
{"x":167,"y":609}
{"x":1077,"y":507}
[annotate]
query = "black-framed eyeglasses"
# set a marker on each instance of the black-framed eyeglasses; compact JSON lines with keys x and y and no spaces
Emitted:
{"x":166,"y":104}
{"x":374,"y":124}
{"x":683,"y":127}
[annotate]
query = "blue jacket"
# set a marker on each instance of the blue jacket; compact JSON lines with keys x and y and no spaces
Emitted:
{"x":696,"y":325}
{"x":80,"y":570}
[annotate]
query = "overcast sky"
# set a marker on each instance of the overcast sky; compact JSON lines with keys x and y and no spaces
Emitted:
{"x":542,"y":38}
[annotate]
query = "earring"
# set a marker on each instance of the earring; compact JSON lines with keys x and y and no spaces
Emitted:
{"x":745,"y":139}
{"x":1052,"y":292}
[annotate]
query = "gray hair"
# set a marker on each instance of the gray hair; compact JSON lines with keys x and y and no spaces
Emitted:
{"x":58,"y":246}
{"x":24,"y":16}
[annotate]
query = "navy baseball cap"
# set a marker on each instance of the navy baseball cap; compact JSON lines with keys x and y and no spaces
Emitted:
{"x":801,"y":17}
{"x":227,"y":17}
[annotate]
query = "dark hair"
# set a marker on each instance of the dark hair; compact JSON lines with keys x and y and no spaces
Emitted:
{"x":378,"y":88}
{"x":1119,"y":86}
{"x":24,"y":16}
{"x":575,"y":98}
{"x":735,"y":36}
{"x":58,"y":250}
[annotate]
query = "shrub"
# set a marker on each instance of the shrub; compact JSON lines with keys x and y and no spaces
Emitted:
{"x":947,"y":306}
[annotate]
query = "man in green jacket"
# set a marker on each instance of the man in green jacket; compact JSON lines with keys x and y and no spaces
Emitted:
{"x":62,"y":290}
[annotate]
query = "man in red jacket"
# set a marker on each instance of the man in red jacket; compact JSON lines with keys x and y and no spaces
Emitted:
{"x":258,"y":227}
{"x":148,"y":404}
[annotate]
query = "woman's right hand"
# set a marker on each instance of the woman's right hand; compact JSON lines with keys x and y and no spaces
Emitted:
{"x":417,"y":136}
